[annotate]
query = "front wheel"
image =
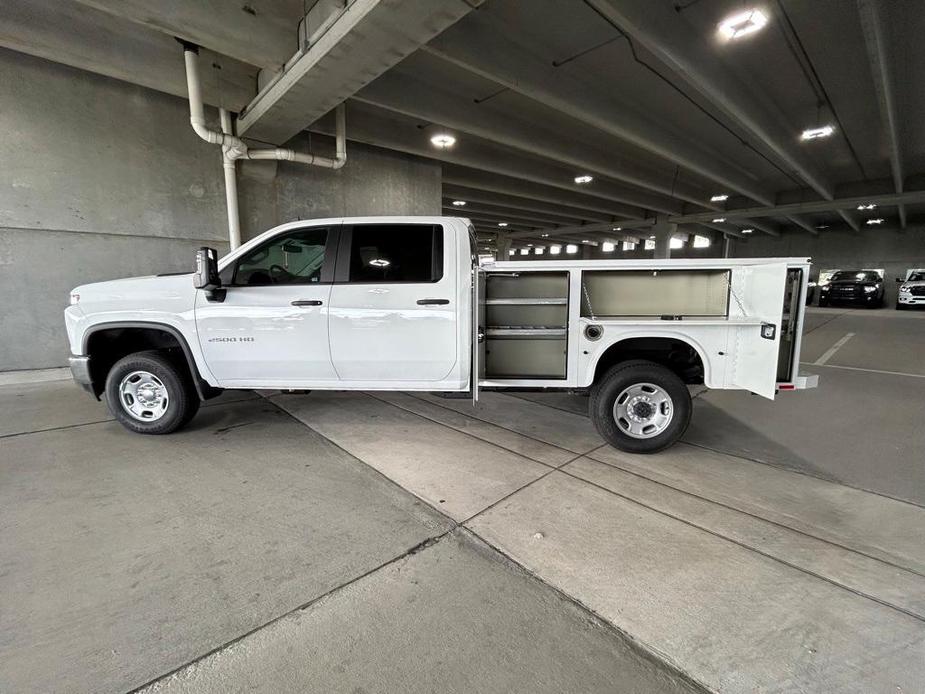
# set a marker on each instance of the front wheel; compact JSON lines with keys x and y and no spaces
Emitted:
{"x":640,"y":407}
{"x":149,"y":394}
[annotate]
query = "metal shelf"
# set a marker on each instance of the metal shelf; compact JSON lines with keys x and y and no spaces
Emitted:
{"x":555,"y":301}
{"x":512,"y":331}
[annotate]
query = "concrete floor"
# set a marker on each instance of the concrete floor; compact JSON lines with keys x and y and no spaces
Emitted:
{"x":397,"y":542}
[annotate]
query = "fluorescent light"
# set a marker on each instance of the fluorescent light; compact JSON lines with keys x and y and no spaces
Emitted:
{"x":443,"y":140}
{"x":719,"y":220}
{"x":539,"y":250}
{"x":459,"y":203}
{"x":748,"y":231}
{"x":529,"y":245}
{"x":719,"y":198}
{"x":608,"y":247}
{"x":869,"y":206}
{"x":545,"y":235}
{"x":583,"y":179}
{"x":524,"y":251}
{"x":676,"y":243}
{"x":742,"y":24}
{"x":502,"y":224}
{"x":876,"y":220}
{"x":618,"y":229}
{"x":822,"y":226}
{"x":555,"y":250}
{"x":586,"y":240}
{"x":701,"y":242}
{"x":816,"y":133}
{"x":571,"y":248}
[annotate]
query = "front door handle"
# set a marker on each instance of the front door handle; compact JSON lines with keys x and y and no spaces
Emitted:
{"x":307,"y":302}
{"x":433,"y":302}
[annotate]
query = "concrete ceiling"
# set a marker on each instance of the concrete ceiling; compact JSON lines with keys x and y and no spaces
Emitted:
{"x":640,"y":94}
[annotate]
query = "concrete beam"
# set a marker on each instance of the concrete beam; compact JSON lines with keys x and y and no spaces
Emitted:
{"x":802,"y":223}
{"x":470,"y":195}
{"x":386,"y":129}
{"x":485,"y":48}
{"x":851,"y":221}
{"x":403,"y":93}
{"x":366,"y":40}
{"x":67,"y":32}
{"x":482,"y":208}
{"x":686,"y":51}
{"x":263,"y":33}
{"x":873,"y":27}
{"x":527,"y":190}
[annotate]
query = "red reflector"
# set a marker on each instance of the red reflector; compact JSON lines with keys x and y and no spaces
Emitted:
{"x":786,"y":386}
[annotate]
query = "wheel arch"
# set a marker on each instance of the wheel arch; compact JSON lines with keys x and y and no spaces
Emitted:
{"x":653,"y":346}
{"x":135,"y":334}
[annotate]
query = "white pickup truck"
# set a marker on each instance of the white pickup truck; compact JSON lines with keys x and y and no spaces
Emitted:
{"x":401,"y":303}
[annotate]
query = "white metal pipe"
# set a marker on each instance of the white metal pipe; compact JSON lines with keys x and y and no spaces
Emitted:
{"x":235,"y":147}
{"x":231,"y":185}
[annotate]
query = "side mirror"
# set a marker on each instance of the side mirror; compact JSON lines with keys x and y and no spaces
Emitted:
{"x":900,"y":279}
{"x":206,"y":276}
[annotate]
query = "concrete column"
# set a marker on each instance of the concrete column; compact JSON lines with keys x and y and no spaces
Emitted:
{"x":502,"y":252}
{"x":663,"y":231}
{"x":586,"y":251}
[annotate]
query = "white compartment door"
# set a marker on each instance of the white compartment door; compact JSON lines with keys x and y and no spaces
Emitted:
{"x":757,"y":293}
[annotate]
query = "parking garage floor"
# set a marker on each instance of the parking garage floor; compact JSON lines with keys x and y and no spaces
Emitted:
{"x":408,"y":542}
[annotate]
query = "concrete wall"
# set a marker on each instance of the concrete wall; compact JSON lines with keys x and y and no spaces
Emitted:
{"x":102,"y":179}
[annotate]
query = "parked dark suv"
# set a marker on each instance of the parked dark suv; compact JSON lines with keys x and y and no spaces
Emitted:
{"x":857,"y":287}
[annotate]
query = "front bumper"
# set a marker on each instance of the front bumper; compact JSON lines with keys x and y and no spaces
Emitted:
{"x":911,"y":300}
{"x":80,"y":370}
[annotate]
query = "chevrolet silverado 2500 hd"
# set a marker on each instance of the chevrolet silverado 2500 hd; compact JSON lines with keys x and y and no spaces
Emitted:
{"x":400,"y":303}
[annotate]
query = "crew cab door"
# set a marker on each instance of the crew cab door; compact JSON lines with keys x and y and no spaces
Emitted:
{"x":393,"y":311}
{"x":271,"y":329}
{"x":757,"y":294}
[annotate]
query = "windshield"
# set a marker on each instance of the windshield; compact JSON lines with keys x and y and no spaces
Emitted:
{"x":916,"y":277}
{"x":855,"y":276}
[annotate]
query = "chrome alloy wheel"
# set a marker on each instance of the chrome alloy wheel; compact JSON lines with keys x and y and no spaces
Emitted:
{"x":144,"y":396}
{"x":643,"y":410}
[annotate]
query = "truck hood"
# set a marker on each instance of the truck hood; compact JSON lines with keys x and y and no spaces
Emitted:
{"x":135,"y":292}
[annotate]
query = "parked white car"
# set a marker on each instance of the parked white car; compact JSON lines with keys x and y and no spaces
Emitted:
{"x":400,"y":303}
{"x":911,"y":289}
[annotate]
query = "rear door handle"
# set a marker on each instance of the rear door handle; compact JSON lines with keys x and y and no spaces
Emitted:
{"x":433,"y":302}
{"x":307,"y":302}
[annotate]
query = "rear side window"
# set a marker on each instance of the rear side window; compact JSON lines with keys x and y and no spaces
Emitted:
{"x":396,"y":253}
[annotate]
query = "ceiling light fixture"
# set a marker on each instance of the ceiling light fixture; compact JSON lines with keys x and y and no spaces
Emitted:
{"x":719,"y":220}
{"x":586,"y":240}
{"x":742,"y":24}
{"x":580,"y":180}
{"x":876,"y":220}
{"x":502,"y":224}
{"x":816,"y":133}
{"x":869,"y":206}
{"x":719,"y":198}
{"x":443,"y":140}
{"x":544,"y":235}
{"x":459,"y":203}
{"x":822,"y":226}
{"x":618,"y":229}
{"x":747,"y":231}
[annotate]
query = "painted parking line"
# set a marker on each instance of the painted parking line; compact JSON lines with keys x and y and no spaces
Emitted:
{"x":832,"y":350}
{"x":858,"y":368}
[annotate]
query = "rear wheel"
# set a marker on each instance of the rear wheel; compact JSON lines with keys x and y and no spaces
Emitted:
{"x":150,"y":394}
{"x":640,"y":407}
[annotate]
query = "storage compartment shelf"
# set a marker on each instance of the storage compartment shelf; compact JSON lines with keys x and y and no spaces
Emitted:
{"x":556,"y":301}
{"x":501,"y":331}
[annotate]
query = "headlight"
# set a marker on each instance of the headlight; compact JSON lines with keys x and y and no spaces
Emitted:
{"x":870,"y":290}
{"x":905,"y":288}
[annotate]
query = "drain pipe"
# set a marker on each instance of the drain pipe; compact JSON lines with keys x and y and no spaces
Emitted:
{"x":231,"y":184}
{"x":234,"y":148}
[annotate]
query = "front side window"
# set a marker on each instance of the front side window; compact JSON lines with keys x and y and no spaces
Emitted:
{"x":396,"y":253}
{"x":296,"y":257}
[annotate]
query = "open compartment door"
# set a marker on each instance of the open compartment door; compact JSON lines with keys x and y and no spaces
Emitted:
{"x":758,"y":294}
{"x":477,"y":368}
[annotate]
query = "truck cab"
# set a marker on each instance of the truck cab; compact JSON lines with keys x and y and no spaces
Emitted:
{"x":400,"y":303}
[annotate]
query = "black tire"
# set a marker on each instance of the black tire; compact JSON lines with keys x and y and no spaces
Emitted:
{"x":182,"y":401}
{"x":901,"y":307}
{"x":631,"y":374}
